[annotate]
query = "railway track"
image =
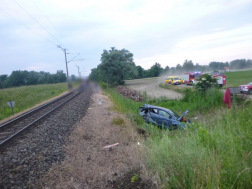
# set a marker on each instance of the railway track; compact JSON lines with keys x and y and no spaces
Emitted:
{"x":13,"y":128}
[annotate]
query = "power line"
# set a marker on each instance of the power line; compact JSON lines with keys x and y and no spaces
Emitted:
{"x":38,"y":22}
{"x":27,"y":27}
{"x":53,"y":25}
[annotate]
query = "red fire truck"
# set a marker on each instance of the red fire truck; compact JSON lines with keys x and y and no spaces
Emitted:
{"x":221,"y":80}
{"x":191,"y":78}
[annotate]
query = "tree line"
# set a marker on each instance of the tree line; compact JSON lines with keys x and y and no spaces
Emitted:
{"x":20,"y":78}
{"x":118,"y":65}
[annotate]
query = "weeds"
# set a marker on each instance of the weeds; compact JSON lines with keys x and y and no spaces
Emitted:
{"x":134,"y":178}
{"x":118,"y":121}
{"x":212,"y":154}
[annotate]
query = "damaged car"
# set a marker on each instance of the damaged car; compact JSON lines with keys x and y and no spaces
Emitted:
{"x":163,"y":117}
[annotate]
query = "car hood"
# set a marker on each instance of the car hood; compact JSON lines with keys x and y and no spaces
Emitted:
{"x":179,"y":119}
{"x":246,"y":86}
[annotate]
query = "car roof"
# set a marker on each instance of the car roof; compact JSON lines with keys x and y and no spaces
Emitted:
{"x":158,"y":107}
{"x":172,"y":76}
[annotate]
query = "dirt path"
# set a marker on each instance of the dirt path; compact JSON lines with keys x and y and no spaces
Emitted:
{"x":88,"y":164}
{"x":151,"y":87}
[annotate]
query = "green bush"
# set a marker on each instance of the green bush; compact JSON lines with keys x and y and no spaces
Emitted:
{"x":206,"y":82}
{"x":104,"y":85}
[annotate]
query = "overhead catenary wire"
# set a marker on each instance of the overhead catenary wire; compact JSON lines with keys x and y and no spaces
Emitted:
{"x":53,"y":25}
{"x":38,"y":22}
{"x":24,"y":25}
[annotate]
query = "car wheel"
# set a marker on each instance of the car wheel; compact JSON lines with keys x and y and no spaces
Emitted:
{"x":250,"y":91}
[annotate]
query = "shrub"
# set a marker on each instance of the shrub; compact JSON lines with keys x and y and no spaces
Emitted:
{"x":206,"y":82}
{"x":104,"y":85}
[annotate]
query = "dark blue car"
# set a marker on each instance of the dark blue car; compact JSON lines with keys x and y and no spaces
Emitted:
{"x":163,"y":117}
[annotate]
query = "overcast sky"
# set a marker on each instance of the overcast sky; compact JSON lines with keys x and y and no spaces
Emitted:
{"x":167,"y":32}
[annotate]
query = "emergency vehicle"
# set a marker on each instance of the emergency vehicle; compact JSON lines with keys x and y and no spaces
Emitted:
{"x":173,"y":80}
{"x":221,"y":80}
{"x":191,"y":78}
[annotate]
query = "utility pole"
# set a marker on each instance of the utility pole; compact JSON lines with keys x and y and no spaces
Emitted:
{"x":64,"y":50}
{"x":66,"y":64}
{"x":78,"y":70}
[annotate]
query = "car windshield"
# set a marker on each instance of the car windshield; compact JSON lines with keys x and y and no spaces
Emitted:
{"x":197,"y":75}
{"x":173,"y":113}
{"x":250,"y":83}
{"x":192,"y":76}
{"x":176,"y":78}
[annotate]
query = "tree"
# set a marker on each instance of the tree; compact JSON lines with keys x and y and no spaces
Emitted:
{"x":140,"y":72}
{"x":94,"y":76}
{"x":2,"y":79}
{"x":155,"y":70}
{"x":188,"y":66}
{"x":179,"y":68}
{"x":116,"y":65}
{"x":167,"y":69}
{"x":240,"y":64}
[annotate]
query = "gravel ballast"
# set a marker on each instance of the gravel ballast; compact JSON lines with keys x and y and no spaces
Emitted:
{"x":27,"y":158}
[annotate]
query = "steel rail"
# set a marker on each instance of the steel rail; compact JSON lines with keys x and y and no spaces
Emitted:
{"x":32,"y":111}
{"x":35,"y":121}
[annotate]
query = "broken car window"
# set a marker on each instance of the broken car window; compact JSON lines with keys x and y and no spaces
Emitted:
{"x":154,"y":111}
{"x":165,"y":114}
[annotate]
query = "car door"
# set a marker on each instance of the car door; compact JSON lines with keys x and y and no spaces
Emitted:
{"x":165,"y":118}
{"x":154,"y":117}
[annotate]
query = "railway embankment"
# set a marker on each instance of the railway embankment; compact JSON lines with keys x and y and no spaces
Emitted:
{"x":26,"y":159}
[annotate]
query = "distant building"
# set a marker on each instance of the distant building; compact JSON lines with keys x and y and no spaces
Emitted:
{"x":226,"y":69}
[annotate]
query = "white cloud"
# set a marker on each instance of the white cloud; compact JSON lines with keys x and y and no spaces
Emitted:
{"x":165,"y":31}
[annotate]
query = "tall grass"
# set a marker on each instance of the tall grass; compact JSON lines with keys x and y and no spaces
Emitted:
{"x":192,"y":101}
{"x":205,"y":156}
{"x":212,"y":154}
{"x":27,"y":96}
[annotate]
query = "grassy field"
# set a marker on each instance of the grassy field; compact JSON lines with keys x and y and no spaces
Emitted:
{"x":215,"y":153}
{"x":234,"y":79}
{"x":27,"y":96}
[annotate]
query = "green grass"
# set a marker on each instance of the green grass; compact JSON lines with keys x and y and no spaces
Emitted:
{"x":234,"y":79}
{"x":27,"y":96}
{"x":213,"y":154}
{"x":192,"y":101}
{"x":172,"y":87}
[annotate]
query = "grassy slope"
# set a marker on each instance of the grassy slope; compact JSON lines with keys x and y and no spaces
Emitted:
{"x":27,"y":96}
{"x":213,"y":154}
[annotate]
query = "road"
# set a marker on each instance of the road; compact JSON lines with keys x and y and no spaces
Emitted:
{"x":151,"y":87}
